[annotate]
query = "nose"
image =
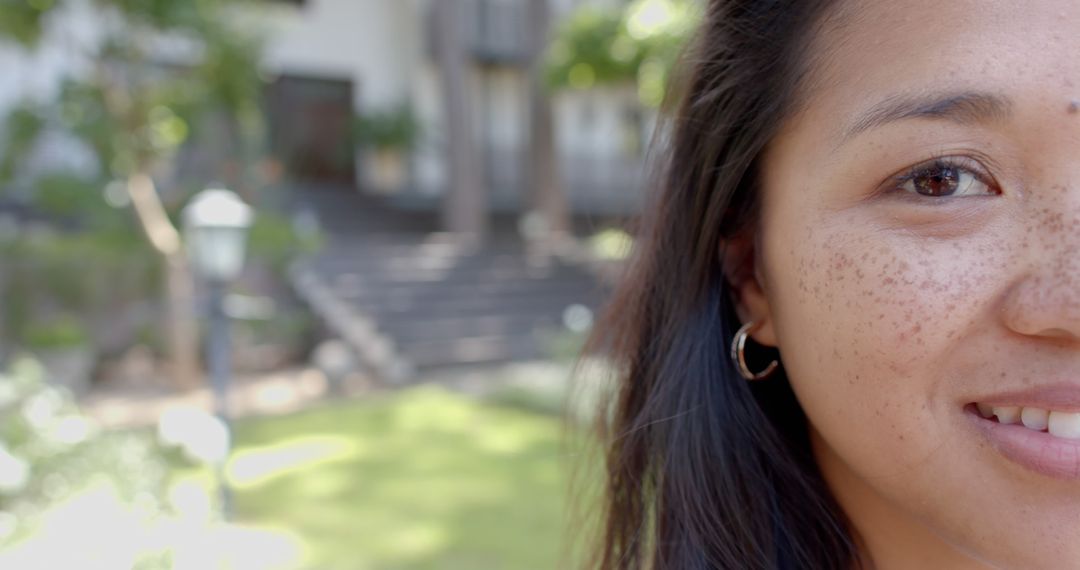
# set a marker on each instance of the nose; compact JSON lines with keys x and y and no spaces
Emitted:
{"x":1045,"y":302}
{"x":1039,"y":307}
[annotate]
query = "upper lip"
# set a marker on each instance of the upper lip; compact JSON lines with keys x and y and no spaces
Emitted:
{"x":1062,"y":397}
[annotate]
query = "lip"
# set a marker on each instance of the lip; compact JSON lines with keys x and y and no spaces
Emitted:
{"x":1036,"y":451}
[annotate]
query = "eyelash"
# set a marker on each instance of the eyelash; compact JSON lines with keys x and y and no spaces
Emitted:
{"x":960,"y":164}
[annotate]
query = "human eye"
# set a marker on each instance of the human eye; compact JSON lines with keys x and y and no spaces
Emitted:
{"x":945,"y":177}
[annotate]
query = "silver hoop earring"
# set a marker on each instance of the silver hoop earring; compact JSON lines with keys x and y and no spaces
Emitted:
{"x":738,"y":355}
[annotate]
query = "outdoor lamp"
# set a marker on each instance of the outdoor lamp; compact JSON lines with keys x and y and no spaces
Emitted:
{"x":215,"y":228}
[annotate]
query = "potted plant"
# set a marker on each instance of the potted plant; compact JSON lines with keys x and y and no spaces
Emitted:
{"x":384,"y":139}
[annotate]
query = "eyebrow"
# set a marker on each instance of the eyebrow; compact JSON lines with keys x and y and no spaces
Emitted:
{"x":966,"y":108}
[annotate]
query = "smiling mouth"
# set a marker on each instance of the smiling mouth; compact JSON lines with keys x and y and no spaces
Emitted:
{"x":1040,"y":440}
{"x":1060,"y":424}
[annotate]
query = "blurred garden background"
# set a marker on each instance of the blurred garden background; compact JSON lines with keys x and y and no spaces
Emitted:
{"x":435,"y":198}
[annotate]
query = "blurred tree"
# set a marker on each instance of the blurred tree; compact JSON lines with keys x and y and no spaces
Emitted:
{"x":465,"y":202}
{"x":135,"y":109}
{"x":546,"y":194}
{"x":637,"y":43}
{"x":22,"y":19}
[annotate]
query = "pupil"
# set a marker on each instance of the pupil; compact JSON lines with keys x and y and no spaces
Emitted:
{"x":937,"y":181}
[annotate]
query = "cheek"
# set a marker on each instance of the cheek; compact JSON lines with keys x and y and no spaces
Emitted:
{"x":888,"y":305}
{"x":869,"y":323}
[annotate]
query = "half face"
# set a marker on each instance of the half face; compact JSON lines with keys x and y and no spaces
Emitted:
{"x":920,"y":255}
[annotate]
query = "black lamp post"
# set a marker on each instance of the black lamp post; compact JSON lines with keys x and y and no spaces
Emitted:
{"x":216,"y":224}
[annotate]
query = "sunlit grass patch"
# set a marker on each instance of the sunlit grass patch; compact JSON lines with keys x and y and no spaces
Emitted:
{"x":422,"y":478}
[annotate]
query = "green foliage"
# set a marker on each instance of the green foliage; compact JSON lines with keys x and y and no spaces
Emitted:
{"x":592,"y":48}
{"x":229,"y":70}
{"x":395,"y":129}
{"x":637,"y":44}
{"x":292,"y":327}
{"x":21,"y":128}
{"x":22,"y":19}
{"x":66,"y":195}
{"x":134,"y":112}
{"x":63,"y":332}
{"x":273,"y":239}
{"x":165,"y":15}
{"x":83,"y":275}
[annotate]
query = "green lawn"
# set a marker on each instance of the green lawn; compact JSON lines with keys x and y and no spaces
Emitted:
{"x":417,"y":479}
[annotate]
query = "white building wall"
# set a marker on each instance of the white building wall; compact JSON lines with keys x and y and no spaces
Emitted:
{"x":374,"y":43}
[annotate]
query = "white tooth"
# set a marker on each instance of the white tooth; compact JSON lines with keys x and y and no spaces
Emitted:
{"x":1064,"y":424}
{"x":1035,"y":418}
{"x":1007,"y":414}
{"x":985,"y":410}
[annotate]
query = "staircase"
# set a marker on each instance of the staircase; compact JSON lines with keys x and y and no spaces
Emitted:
{"x":407,"y":298}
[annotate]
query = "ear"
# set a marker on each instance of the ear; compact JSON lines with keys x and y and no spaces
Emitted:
{"x":742,"y":269}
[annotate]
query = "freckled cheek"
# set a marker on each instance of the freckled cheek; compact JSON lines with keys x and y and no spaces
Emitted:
{"x":894,"y":302}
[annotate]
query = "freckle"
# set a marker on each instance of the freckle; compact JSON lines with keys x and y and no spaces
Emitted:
{"x":1074,"y":107}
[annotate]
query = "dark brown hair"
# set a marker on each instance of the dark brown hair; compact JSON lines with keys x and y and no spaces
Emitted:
{"x":703,"y":469}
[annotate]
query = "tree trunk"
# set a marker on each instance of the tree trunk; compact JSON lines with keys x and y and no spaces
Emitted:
{"x":181,"y":326}
{"x":180,"y":321}
{"x":546,"y":195}
{"x":465,"y":201}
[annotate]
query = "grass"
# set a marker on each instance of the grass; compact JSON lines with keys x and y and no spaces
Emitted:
{"x":418,"y":479}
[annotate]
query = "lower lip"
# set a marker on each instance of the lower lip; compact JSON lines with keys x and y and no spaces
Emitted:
{"x":1034,"y":450}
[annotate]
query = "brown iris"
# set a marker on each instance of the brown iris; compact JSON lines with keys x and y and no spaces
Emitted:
{"x":936,"y":180}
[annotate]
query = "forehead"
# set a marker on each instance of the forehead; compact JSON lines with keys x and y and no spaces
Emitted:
{"x":869,"y":51}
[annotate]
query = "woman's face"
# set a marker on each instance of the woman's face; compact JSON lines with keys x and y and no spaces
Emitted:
{"x":920,"y":256}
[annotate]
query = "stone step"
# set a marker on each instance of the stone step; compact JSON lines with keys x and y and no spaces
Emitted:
{"x":366,"y":294}
{"x":423,"y":255}
{"x":430,"y":299}
{"x":405,"y":332}
{"x":391,"y":278}
{"x":478,"y":306}
{"x":471,"y":350}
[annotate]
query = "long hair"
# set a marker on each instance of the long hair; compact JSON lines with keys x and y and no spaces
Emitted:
{"x":703,"y":469}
